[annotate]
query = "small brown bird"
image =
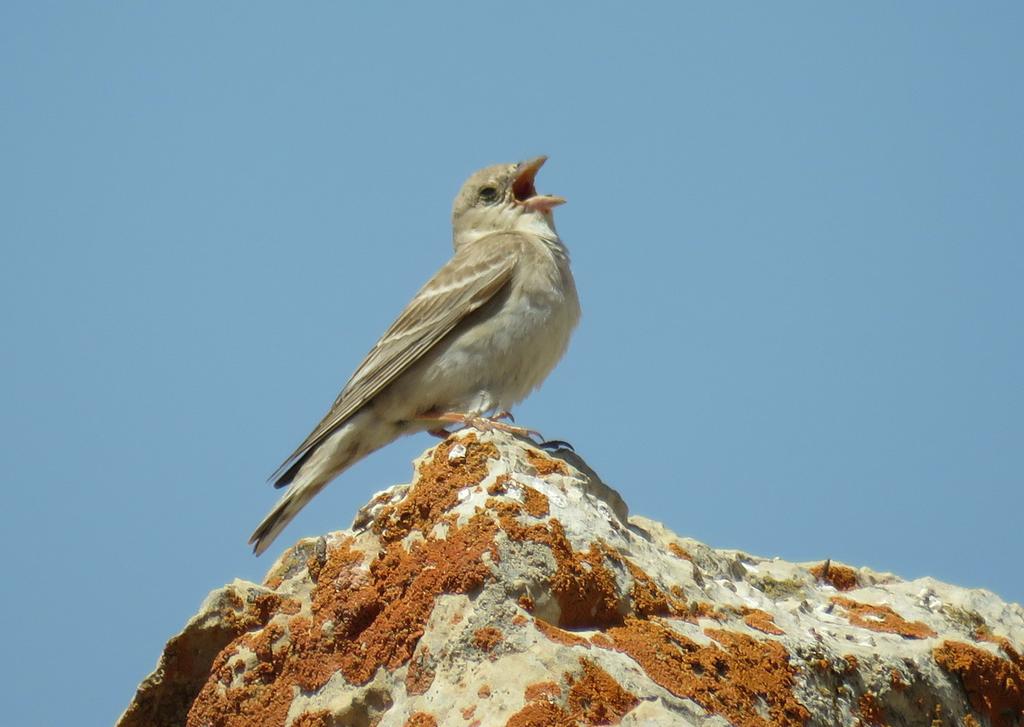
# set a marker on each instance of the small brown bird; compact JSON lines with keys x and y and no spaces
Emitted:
{"x":476,"y":339}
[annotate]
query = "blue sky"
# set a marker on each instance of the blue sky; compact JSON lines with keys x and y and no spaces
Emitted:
{"x":796,"y":231}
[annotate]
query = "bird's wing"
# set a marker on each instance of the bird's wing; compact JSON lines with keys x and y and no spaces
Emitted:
{"x":467,"y":281}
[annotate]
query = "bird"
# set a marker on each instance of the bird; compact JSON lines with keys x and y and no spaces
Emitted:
{"x":477,"y":338}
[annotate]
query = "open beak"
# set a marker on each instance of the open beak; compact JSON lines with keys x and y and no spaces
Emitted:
{"x":525,"y":192}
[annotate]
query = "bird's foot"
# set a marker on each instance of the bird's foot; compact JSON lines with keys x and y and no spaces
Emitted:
{"x":484,"y":424}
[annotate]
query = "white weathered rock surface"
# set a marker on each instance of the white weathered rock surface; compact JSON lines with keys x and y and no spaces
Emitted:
{"x":504,"y":586}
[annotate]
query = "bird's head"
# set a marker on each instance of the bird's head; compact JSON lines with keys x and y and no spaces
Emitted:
{"x":503,"y":198}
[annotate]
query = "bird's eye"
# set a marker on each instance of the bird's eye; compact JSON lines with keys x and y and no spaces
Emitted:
{"x":488,"y":194}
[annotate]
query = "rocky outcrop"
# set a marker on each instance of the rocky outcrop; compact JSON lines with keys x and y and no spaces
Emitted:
{"x":507,"y":586}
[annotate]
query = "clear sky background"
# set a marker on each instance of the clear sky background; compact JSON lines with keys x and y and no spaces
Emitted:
{"x":796,"y":230}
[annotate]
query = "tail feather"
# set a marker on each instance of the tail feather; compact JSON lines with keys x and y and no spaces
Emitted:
{"x":310,"y":473}
{"x":306,"y":478}
{"x":284,"y":511}
{"x":293,"y":469}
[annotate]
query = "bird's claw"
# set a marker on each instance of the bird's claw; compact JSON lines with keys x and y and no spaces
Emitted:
{"x":553,"y":445}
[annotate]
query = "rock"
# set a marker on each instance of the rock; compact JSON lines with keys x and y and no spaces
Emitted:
{"x":506,"y":587}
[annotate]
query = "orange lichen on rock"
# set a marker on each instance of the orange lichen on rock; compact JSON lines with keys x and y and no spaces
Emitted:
{"x":487,"y":638}
{"x":189,"y":658}
{"x":1012,"y":653}
{"x":535,"y":502}
{"x":647,"y":598}
{"x":377,"y":621}
{"x":983,"y":633}
{"x":700,"y":609}
{"x":320,"y":718}
{"x":542,"y":690}
{"x":583,"y":585}
{"x":755,"y":618}
{"x":679,"y":552}
{"x":994,"y":686}
{"x":499,"y":486}
{"x":545,"y":465}
{"x":316,"y":558}
{"x":840,"y":577}
{"x":741,"y":680}
{"x":421,"y":719}
{"x":437,"y":488}
{"x":363,"y":619}
{"x":882,"y":619}
{"x":255,"y":611}
{"x":539,"y":714}
{"x":560,"y":636}
{"x":871,"y":712}
{"x":594,"y":698}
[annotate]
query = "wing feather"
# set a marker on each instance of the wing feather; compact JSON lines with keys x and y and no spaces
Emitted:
{"x":467,"y":281}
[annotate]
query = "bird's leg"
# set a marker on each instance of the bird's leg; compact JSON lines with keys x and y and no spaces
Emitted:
{"x":486,"y":424}
{"x":506,"y":414}
{"x":476,"y":421}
